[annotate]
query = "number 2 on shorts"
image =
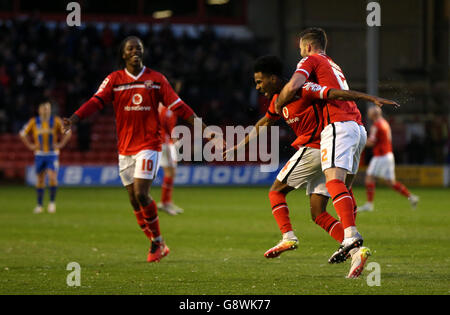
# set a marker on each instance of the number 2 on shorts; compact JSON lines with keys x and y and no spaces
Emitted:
{"x":324,"y":155}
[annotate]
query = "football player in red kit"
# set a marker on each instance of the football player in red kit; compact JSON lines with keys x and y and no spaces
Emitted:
{"x":382,"y":164}
{"x":304,"y":168}
{"x":342,"y":140}
{"x":168,"y":161}
{"x":135,"y":92}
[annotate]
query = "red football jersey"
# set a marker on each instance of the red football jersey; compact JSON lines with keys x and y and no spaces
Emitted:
{"x":168,"y":121}
{"x":380,"y":134}
{"x":136,"y":100}
{"x":303,"y":115}
{"x":321,"y":69}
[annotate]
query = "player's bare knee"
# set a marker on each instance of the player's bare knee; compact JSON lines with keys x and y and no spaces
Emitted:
{"x":280,"y":187}
{"x":53,"y":181}
{"x":40,"y":180}
{"x":142,"y":197}
{"x":390,"y":182}
{"x":169,"y":172}
{"x":369,"y":180}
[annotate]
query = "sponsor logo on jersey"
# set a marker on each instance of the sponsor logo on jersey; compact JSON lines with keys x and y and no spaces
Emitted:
{"x":292,"y":120}
{"x":136,"y":99}
{"x":137,"y":108}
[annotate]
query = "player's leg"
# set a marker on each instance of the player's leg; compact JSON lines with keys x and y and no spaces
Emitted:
{"x":40,"y":182}
{"x":146,"y":168}
{"x":349,"y":183}
{"x":137,"y":211}
{"x":389,"y":176}
{"x":52,"y":188}
{"x":149,"y":210}
{"x":370,"y":183}
{"x":40,"y":189}
{"x":52,"y":172}
{"x":342,"y":199}
{"x":360,"y":254}
{"x":403,"y":190}
{"x":166,"y":203}
{"x":141,"y":189}
{"x":341,"y":147}
{"x":138,"y":193}
{"x":280,"y":211}
{"x":169,"y":164}
{"x":318,"y":202}
{"x":301,"y":168}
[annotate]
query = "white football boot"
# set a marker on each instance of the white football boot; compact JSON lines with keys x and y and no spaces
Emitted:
{"x":37,"y":210}
{"x":414,"y":200}
{"x":359,"y":259}
{"x":51,"y":207}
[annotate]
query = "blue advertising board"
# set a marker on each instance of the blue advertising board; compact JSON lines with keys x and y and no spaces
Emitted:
{"x":186,"y":175}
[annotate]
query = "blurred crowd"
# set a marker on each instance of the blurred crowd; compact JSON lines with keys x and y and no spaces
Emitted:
{"x":214,"y":75}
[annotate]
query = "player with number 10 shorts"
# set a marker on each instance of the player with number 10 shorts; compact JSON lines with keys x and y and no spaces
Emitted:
{"x":135,"y":92}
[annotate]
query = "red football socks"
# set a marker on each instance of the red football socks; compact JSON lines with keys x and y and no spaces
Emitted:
{"x":355,"y":207}
{"x":370,"y":190}
{"x":342,"y":202}
{"x":280,"y":210}
{"x":142,"y":224}
{"x":331,"y":226}
{"x":167,"y":187}
{"x":150,"y":213}
{"x":401,"y":189}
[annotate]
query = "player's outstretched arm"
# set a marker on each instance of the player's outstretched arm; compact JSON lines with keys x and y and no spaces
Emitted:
{"x":68,"y":123}
{"x":289,"y":90}
{"x":349,"y":95}
{"x":263,"y":122}
{"x":93,"y":105}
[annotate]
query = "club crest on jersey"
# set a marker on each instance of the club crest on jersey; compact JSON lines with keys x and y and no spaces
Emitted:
{"x":148,"y":84}
{"x":285,"y":112}
{"x":136,"y":99}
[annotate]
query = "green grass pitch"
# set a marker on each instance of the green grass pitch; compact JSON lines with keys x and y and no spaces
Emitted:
{"x":217,"y":245}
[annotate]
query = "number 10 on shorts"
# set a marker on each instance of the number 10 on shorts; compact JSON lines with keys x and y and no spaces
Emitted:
{"x":147,"y":165}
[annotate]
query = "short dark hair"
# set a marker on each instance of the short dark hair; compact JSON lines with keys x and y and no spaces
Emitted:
{"x":315,"y":35}
{"x":120,"y":61}
{"x":269,"y":65}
